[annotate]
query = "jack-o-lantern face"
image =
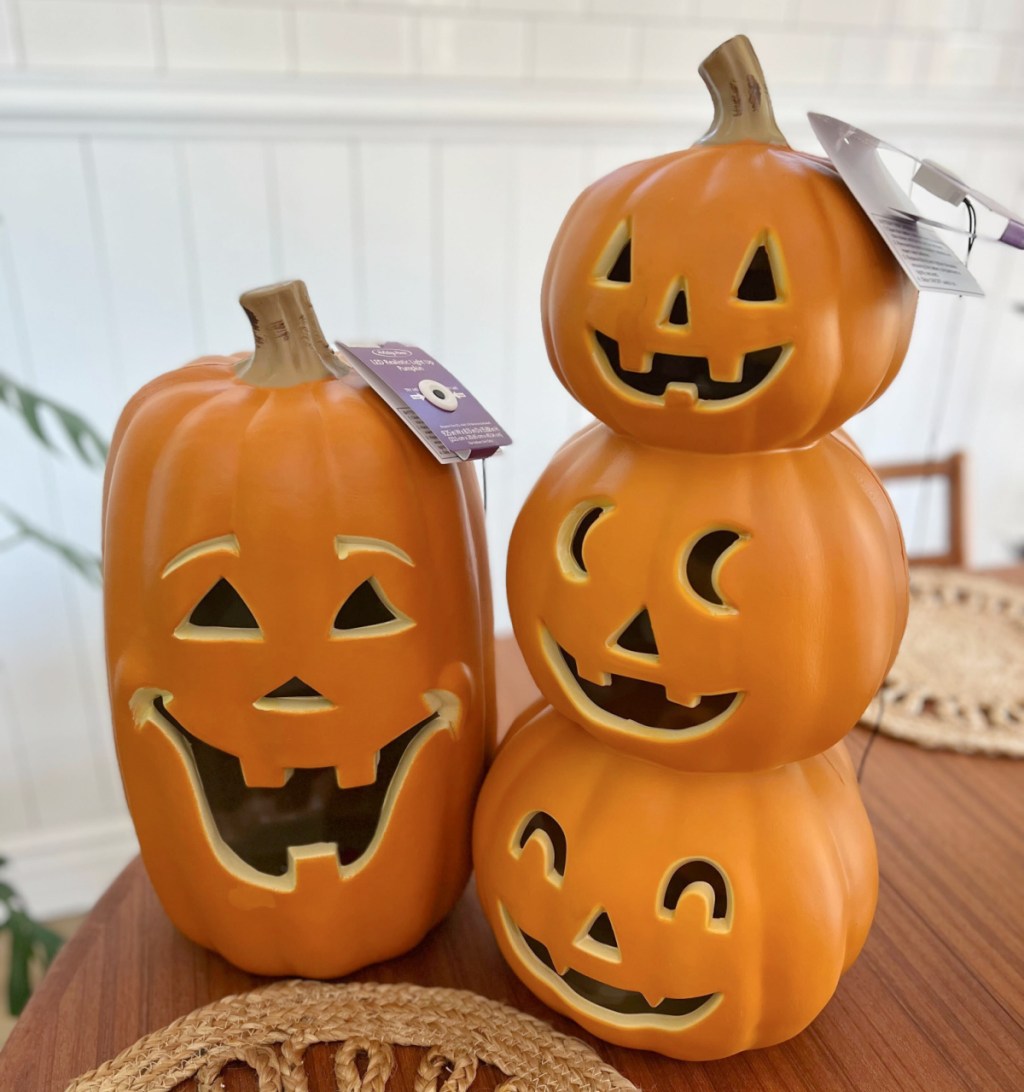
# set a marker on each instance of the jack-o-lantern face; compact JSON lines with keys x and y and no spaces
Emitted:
{"x":297,"y":645}
{"x":288,"y":768}
{"x":693,"y":914}
{"x":705,"y":612}
{"x":730,"y":297}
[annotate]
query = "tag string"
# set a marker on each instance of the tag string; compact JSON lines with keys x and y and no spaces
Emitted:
{"x":874,"y":735}
{"x":972,"y":227}
{"x":483,"y":476}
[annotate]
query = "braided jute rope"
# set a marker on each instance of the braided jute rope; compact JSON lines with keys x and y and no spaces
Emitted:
{"x":958,"y":681}
{"x":270,"y":1029}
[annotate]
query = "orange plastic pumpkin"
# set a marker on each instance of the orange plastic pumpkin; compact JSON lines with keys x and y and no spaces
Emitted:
{"x":298,"y":637}
{"x":709,"y":612}
{"x":729,"y":297}
{"x":693,"y":914}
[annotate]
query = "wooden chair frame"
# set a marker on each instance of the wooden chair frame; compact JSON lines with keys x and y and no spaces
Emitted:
{"x":954,"y":471}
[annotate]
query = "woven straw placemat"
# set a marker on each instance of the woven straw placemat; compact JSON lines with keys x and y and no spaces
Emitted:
{"x":270,"y":1029}
{"x":958,"y":681}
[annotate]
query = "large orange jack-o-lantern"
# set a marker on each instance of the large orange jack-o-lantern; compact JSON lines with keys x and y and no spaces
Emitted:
{"x":298,"y":638}
{"x":729,"y":297}
{"x":704,"y":611}
{"x":693,"y":914}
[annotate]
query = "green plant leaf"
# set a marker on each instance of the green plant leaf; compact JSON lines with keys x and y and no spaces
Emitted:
{"x":30,"y":407}
{"x":86,"y":563}
{"x":18,"y":983}
{"x":31,"y":943}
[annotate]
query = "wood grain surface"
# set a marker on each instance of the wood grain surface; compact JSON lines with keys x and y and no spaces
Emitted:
{"x":935,"y":1002}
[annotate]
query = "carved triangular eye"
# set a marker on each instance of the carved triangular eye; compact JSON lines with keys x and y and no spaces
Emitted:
{"x":680,"y":313}
{"x":622,"y":267}
{"x":758,"y":284}
{"x":638,"y":636}
{"x":364,"y":607}
{"x":223,"y":608}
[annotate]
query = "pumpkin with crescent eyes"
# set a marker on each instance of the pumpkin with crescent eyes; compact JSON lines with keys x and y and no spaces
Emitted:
{"x":690,"y":913}
{"x":729,"y":297}
{"x":709,"y":612}
{"x":299,"y":649}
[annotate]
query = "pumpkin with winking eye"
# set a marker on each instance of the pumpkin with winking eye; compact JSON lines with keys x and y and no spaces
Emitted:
{"x":694,"y":914}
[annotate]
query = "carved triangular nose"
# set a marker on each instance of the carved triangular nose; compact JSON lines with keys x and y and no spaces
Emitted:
{"x":601,"y":930}
{"x":294,"y":688}
{"x":638,"y":636}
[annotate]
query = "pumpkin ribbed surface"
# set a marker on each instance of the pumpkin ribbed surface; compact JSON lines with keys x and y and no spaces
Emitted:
{"x":667,"y":910}
{"x":298,"y":636}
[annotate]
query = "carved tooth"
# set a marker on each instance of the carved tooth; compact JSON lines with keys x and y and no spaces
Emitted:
{"x":313,"y":863}
{"x":258,"y":773}
{"x":653,"y":999}
{"x":677,"y":394}
{"x":682,"y":697}
{"x":592,"y":673}
{"x":359,"y":770}
{"x":726,"y":370}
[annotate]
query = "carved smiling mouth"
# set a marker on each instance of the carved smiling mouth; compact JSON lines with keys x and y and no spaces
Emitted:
{"x":635,"y":705}
{"x":610,"y":1002}
{"x":668,"y":369}
{"x":266,"y":828}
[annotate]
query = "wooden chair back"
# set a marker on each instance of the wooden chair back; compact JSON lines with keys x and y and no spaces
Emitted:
{"x":953,"y":470}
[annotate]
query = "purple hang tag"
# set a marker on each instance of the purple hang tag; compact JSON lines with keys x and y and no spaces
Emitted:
{"x":1013,"y":235}
{"x":445,"y":417}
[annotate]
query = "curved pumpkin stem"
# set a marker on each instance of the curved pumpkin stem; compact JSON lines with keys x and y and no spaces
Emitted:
{"x":743,"y":108}
{"x":290,"y":346}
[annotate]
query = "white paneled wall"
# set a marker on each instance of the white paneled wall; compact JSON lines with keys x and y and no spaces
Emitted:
{"x":412,"y":162}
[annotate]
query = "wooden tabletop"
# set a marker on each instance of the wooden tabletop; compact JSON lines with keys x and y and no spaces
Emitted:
{"x":935,"y":1002}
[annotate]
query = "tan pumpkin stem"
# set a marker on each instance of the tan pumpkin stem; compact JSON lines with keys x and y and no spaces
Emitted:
{"x":743,"y":107}
{"x":290,"y":346}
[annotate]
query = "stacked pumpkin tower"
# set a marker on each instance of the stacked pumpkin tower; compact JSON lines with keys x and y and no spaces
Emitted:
{"x":709,"y":585}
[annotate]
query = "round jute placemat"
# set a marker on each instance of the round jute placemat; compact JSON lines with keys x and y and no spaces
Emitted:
{"x":958,"y":681}
{"x":271,"y":1028}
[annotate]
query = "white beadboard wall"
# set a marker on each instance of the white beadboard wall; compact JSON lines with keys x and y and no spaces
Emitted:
{"x":411,"y":161}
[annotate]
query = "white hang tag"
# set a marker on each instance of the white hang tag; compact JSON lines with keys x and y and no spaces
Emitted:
{"x":925,"y":258}
{"x":942,"y":183}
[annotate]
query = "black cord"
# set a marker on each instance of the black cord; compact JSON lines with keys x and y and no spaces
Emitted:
{"x":972,"y":227}
{"x":483,"y":475}
{"x":873,"y":736}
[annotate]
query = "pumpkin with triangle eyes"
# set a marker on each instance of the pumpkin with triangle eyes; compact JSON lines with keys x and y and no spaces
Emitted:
{"x":693,"y":914}
{"x":299,"y":650}
{"x":704,"y":611}
{"x":729,"y":297}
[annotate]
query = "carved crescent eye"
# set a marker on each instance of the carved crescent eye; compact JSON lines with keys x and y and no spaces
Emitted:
{"x":573,"y":531}
{"x":702,"y":564}
{"x":702,"y":875}
{"x":548,"y":831}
